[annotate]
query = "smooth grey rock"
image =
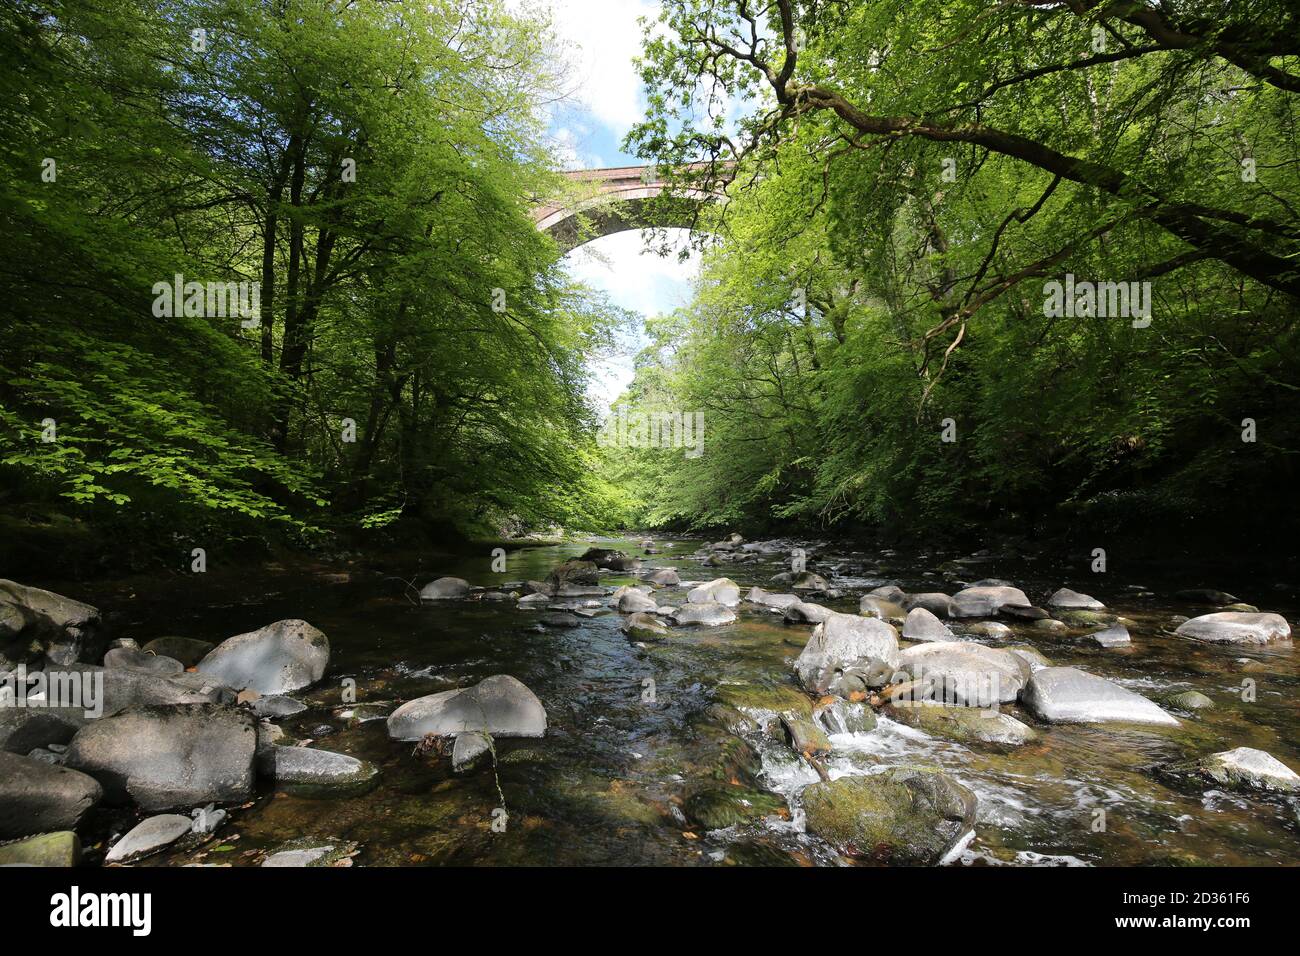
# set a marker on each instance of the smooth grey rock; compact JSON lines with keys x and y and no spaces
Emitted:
{"x":36,"y":797}
{"x":468,"y":750}
{"x":63,"y":630}
{"x":801,"y":612}
{"x":985,"y":602}
{"x":1023,"y":612}
{"x":966,"y":673}
{"x":560,"y":620}
{"x":310,"y":852}
{"x":277,"y":705}
{"x":445,"y":589}
{"x":537,"y":599}
{"x":197,"y":753}
{"x":1114,"y":636}
{"x":768,"y":599}
{"x":921,"y":625}
{"x":188,"y":650}
{"x":24,"y":729}
{"x":633,"y":601}
{"x":964,"y":724}
{"x":1236,"y":627}
{"x":137,"y":660}
{"x":718,"y":591}
{"x":891,"y":593}
{"x":499,"y":705}
{"x":1067,"y":695}
{"x":664,"y":577}
{"x":1243,"y":769}
{"x":842,"y":641}
{"x":1074,"y":599}
{"x":808,"y":581}
{"x":279,"y":658}
{"x":710,"y":614}
{"x":308,"y":772}
{"x":149,"y":836}
{"x":940,"y":605}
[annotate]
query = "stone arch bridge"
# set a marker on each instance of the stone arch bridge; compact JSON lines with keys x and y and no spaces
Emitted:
{"x":616,"y":200}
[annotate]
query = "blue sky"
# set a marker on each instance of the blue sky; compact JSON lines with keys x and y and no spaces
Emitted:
{"x":599,"y":38}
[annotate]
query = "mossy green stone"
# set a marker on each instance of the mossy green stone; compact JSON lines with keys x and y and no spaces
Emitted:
{"x":722,"y":807}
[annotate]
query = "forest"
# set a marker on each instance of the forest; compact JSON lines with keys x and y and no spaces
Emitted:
{"x":871,"y":347}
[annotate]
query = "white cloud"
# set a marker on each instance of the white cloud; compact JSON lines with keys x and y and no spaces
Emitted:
{"x":602,"y":37}
{"x":637,"y":280}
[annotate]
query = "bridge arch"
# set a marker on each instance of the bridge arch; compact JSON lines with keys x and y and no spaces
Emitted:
{"x":618,"y":199}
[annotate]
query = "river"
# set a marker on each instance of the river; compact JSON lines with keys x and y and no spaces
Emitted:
{"x":606,"y":784}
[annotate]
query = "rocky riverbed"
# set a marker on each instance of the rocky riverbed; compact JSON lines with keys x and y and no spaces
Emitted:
{"x":665,"y":702}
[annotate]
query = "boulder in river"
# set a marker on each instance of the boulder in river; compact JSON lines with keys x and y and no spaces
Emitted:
{"x":809,"y":581}
{"x":768,"y":599}
{"x":24,"y":729}
{"x":610,"y":559}
{"x":1114,"y":636}
{"x":872,"y":606}
{"x":468,"y":750}
{"x":573,"y":571}
{"x":40,"y":625}
{"x":985,"y":602}
{"x":188,"y":650}
{"x":1067,"y":695}
{"x":1187,"y":700}
{"x":921,"y":625}
{"x":195,"y":754}
{"x":1025,"y":612}
{"x":632,"y":601}
{"x":966,"y":673}
{"x":804,"y":736}
{"x":905,"y":815}
{"x":664,"y":577}
{"x":964,"y":724}
{"x":307,"y":772}
{"x":842,"y":641}
{"x":36,"y":797}
{"x":710,"y":614}
{"x":718,"y":591}
{"x":1242,"y":769}
{"x":937,"y":603}
{"x":149,"y":836}
{"x":445,"y":589}
{"x":891,"y":593}
{"x":499,"y":705}
{"x":138,"y":660}
{"x":1236,"y":627}
{"x":1065,"y":598}
{"x":644,"y":627}
{"x":802,"y":612}
{"x":277,"y":659}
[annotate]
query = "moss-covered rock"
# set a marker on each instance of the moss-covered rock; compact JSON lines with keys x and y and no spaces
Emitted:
{"x":905,"y":815}
{"x":48,"y":849}
{"x":776,"y":697}
{"x":721,"y":807}
{"x":964,"y":724}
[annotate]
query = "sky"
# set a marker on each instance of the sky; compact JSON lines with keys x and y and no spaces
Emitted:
{"x":599,"y":38}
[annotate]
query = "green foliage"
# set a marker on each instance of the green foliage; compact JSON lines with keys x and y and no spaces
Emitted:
{"x":925,"y":292}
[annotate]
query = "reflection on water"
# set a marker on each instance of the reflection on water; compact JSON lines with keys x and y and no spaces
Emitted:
{"x":606,"y":785}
